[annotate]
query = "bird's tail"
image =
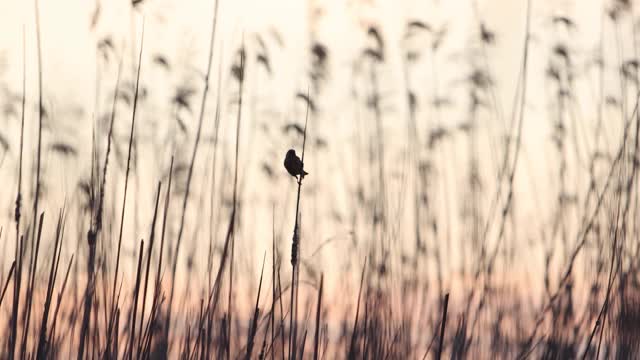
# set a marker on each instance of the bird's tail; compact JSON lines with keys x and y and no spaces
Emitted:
{"x":304,"y":173}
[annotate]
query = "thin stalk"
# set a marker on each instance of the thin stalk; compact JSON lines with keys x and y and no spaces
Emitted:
{"x":57,"y":248}
{"x":146,"y":276}
{"x":185,"y":200}
{"x":30,"y":286}
{"x":316,"y":338}
{"x":59,"y":301}
{"x":134,"y":312}
{"x":295,"y":249}
{"x":124,"y":206}
{"x":13,"y":322}
{"x":6,"y":284}
{"x":442,"y":326}
{"x":158,"y":283}
{"x":354,"y":335}
{"x":40,"y":115}
{"x":253,"y":328}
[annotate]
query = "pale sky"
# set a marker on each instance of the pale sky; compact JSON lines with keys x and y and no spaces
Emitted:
{"x":180,"y":30}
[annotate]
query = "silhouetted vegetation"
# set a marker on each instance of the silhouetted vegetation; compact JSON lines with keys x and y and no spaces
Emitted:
{"x":152,"y":253}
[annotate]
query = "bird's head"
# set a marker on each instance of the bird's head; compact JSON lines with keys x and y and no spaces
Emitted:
{"x":291,"y":153}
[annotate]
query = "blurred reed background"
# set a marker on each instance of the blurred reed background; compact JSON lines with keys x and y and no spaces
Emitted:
{"x":472,"y":187}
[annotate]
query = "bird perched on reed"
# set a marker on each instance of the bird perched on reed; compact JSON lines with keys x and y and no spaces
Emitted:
{"x":294,"y":165}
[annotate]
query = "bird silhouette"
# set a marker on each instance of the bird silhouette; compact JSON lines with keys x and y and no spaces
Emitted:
{"x":294,"y":165}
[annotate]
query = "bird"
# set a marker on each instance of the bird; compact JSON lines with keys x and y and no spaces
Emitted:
{"x":293,"y":164}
